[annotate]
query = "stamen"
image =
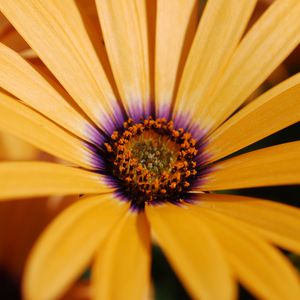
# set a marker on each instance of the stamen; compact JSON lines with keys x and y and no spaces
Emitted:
{"x":152,"y":161}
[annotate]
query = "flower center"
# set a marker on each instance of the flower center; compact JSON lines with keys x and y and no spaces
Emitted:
{"x":152,"y":161}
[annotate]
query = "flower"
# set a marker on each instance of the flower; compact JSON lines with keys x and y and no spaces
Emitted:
{"x":147,"y":119}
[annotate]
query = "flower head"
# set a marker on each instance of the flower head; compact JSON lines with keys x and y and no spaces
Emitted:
{"x":147,"y":118}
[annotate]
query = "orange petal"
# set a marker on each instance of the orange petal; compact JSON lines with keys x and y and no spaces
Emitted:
{"x":88,"y":12}
{"x":67,"y":246}
{"x":126,"y":250}
{"x":61,"y":41}
{"x":271,"y":112}
{"x":24,"y":179}
{"x":260,"y":267}
{"x":212,"y":47}
{"x":23,"y":81}
{"x":13,"y":148}
{"x":23,"y":122}
{"x":178,"y":17}
{"x":257,"y":56}
{"x":193,"y":252}
{"x":277,"y":165}
{"x":276,"y":222}
{"x":124,"y":26}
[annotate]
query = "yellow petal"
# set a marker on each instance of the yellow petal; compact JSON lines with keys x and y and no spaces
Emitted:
{"x":20,"y":79}
{"x":13,"y":148}
{"x":24,"y":179}
{"x":67,"y":246}
{"x":23,"y":122}
{"x":124,"y":26}
{"x":88,"y":12}
{"x":176,"y":23}
{"x":192,"y":251}
{"x":220,"y":29}
{"x":271,"y":112}
{"x":258,"y":54}
{"x":277,"y":165}
{"x":124,"y":261}
{"x":60,"y":40}
{"x":276,"y":222}
{"x":260,"y":267}
{"x":89,"y":15}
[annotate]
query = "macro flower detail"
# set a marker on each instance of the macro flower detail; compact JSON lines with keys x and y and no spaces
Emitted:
{"x":146,"y":105}
{"x":152,"y":162}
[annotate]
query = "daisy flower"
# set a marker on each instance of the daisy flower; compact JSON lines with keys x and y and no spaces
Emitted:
{"x":145,"y":110}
